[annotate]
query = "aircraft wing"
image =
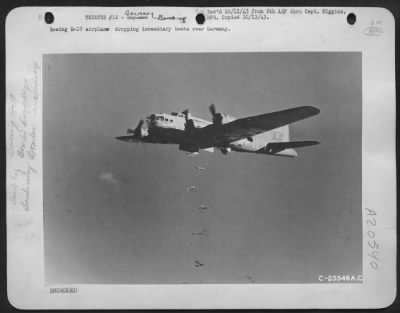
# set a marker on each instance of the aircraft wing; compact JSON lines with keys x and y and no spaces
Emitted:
{"x":250,"y":126}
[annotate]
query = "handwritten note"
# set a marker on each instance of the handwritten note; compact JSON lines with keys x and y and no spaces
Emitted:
{"x":21,"y":137}
{"x":22,"y":145}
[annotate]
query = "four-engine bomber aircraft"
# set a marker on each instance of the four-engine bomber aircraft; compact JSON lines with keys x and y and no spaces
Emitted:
{"x":264,"y":134}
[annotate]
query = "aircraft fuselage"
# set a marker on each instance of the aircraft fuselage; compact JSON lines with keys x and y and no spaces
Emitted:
{"x":170,"y":129}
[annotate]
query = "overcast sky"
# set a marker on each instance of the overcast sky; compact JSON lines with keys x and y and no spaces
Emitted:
{"x":121,"y":213}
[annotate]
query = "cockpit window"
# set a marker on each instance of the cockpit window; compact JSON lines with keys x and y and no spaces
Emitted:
{"x":159,"y":118}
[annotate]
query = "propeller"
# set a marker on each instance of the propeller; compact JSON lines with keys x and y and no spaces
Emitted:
{"x":186,"y":113}
{"x":212,"y":109}
{"x":138,"y":131}
{"x":217,"y":117}
{"x":189,"y":124}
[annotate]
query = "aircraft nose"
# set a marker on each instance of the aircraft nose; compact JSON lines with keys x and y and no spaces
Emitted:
{"x":122,"y":138}
{"x":125,"y":138}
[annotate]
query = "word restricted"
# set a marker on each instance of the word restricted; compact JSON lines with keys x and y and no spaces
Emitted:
{"x":63,"y":290}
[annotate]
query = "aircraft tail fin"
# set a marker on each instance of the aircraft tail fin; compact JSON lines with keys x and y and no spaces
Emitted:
{"x":279,"y":134}
{"x":286,"y":135}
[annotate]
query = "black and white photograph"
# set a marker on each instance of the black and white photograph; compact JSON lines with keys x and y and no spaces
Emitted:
{"x":200,"y":158}
{"x":268,"y":192}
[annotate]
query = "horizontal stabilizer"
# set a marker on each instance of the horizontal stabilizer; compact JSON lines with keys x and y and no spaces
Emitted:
{"x":275,"y":147}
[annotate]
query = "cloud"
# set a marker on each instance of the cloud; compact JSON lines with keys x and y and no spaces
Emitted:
{"x":108,"y":177}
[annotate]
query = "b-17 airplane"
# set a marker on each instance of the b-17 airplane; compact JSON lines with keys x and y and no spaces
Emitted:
{"x":263,"y":134}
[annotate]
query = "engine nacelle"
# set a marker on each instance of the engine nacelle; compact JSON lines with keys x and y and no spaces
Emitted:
{"x":189,"y":125}
{"x":226,"y":150}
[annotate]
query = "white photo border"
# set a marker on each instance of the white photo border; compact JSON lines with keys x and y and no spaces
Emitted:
{"x":28,"y":39}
